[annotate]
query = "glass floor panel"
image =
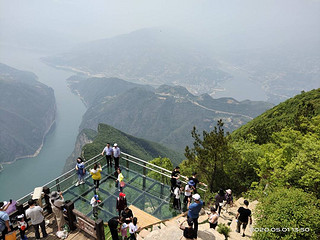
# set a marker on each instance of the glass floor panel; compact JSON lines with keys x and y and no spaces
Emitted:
{"x":143,"y":192}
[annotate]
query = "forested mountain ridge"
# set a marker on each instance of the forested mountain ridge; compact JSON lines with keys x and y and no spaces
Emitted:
{"x":286,"y":114}
{"x":275,"y":158}
{"x":137,"y":147}
{"x":165,"y":115}
{"x":27,"y":112}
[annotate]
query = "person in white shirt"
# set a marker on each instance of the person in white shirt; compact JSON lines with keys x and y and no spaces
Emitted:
{"x":116,"y":155}
{"x":108,"y":150}
{"x":133,"y":228}
{"x":35,"y":213}
{"x":188,"y":191}
{"x":176,"y":193}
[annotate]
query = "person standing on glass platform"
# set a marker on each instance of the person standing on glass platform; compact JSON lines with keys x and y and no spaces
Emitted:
{"x":116,"y":155}
{"x":108,"y":150}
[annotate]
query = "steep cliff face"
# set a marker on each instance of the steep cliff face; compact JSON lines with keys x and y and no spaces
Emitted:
{"x":27,"y":112}
{"x":85,"y":136}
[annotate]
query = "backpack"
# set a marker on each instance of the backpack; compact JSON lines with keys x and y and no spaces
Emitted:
{"x":2,"y":224}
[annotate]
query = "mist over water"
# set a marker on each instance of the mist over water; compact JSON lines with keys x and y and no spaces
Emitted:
{"x":24,"y":175}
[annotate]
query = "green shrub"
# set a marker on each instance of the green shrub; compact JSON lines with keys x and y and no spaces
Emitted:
{"x":224,"y":230}
{"x":287,"y":214}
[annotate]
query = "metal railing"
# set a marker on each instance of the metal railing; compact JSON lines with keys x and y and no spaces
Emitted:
{"x":66,"y":180}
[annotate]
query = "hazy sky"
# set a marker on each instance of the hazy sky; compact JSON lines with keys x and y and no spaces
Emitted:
{"x":38,"y":22}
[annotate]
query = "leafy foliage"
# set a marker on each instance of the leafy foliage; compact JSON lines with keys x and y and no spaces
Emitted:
{"x":287,"y":213}
{"x":210,"y":155}
{"x":291,"y":113}
{"x":224,"y":230}
{"x":161,"y":162}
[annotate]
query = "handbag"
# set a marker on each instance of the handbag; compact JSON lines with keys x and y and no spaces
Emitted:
{"x":11,"y":236}
{"x":122,"y":184}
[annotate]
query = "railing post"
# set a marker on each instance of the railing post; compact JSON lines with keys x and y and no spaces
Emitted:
{"x":161,"y":189}
{"x":99,"y":227}
{"x":127,"y":162}
{"x":71,"y":217}
{"x":144,"y":176}
{"x":46,"y":192}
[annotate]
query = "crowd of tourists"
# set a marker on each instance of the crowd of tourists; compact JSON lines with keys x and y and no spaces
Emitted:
{"x":125,"y":221}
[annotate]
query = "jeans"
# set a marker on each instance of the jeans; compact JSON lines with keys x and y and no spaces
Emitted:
{"x":81,"y":177}
{"x":195,"y":222}
{"x":43,"y":229}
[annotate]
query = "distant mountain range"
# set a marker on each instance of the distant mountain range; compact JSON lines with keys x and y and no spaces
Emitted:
{"x":164,"y":115}
{"x":147,"y":56}
{"x":161,"y":56}
{"x":27,"y":112}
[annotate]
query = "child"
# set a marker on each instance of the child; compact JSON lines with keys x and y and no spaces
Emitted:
{"x":176,"y":193}
{"x":22,"y":225}
{"x":95,"y":203}
{"x":96,"y":175}
{"x":119,"y":180}
{"x":81,"y":171}
{"x":123,"y":229}
{"x":133,"y":228}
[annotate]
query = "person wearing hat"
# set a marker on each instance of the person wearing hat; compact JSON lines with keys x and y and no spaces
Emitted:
{"x":116,"y":155}
{"x":5,"y":225}
{"x":35,"y":213}
{"x":229,"y":199}
{"x":196,"y":181}
{"x":194,"y":210}
{"x":57,"y":203}
{"x":243,"y":216}
{"x":188,"y":192}
{"x":22,"y":225}
{"x":176,"y":193}
{"x":121,"y":202}
{"x":175,"y":175}
{"x":108,"y":150}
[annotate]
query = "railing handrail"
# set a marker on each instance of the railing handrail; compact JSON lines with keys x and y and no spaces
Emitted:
{"x":127,"y":159}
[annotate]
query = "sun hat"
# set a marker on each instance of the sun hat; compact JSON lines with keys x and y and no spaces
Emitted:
{"x":122,"y":194}
{"x":191,"y":183}
{"x":54,"y":195}
{"x":196,"y":197}
{"x":228,"y":191}
{"x":115,"y":145}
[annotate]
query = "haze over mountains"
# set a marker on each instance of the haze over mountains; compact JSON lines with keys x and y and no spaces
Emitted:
{"x":27,"y":112}
{"x":160,"y":56}
{"x":165,"y":115}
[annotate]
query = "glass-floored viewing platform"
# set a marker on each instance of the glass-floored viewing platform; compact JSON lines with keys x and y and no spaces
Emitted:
{"x":153,"y":197}
{"x":145,"y":193}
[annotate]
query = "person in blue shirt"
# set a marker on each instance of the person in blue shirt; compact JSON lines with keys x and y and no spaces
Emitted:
{"x":194,"y":210}
{"x":5,"y":225}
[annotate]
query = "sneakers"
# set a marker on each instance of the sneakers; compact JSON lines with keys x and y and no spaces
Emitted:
{"x":82,"y":182}
{"x":243,"y":235}
{"x":77,"y":184}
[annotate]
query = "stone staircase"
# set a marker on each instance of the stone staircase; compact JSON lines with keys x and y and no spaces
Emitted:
{"x":169,"y":230}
